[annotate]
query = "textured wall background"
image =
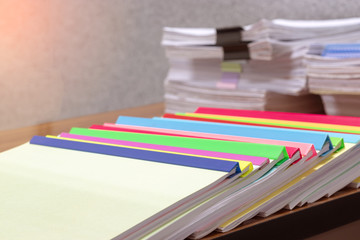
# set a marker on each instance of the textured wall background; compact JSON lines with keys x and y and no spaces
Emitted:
{"x":66,"y":58}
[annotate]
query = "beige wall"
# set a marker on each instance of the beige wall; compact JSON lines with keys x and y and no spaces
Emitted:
{"x":66,"y":58}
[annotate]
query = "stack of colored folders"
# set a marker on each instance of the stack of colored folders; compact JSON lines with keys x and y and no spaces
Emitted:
{"x":217,"y":67}
{"x":177,"y":176}
{"x":334,"y":73}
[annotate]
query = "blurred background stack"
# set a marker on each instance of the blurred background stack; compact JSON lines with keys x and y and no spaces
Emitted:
{"x":260,"y":66}
{"x":334,"y":73}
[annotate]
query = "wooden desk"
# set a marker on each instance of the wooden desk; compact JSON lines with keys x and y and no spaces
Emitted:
{"x":324,"y":215}
{"x":15,"y":137}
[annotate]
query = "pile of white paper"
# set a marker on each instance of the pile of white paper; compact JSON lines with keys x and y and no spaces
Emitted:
{"x":263,"y":75}
{"x":336,"y":77}
{"x":261,"y":66}
{"x":284,"y":29}
{"x":186,"y":97}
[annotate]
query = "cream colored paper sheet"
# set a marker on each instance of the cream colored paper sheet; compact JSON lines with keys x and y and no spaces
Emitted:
{"x":50,"y":193}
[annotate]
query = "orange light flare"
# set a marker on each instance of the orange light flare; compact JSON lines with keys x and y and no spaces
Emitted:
{"x":24,"y":33}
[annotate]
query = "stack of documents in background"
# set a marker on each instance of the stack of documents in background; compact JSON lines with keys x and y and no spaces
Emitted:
{"x":188,"y":96}
{"x":334,"y":73}
{"x":177,"y":176}
{"x":292,"y":30}
{"x":241,"y":67}
{"x":282,"y":38}
{"x":210,"y":67}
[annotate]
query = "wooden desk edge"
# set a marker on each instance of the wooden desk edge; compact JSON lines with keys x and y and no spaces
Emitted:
{"x":14,"y":137}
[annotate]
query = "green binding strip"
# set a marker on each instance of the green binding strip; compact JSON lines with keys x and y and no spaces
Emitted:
{"x":252,"y":149}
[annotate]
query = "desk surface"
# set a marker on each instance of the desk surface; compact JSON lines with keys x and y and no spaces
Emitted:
{"x":324,"y":215}
{"x":14,"y":137}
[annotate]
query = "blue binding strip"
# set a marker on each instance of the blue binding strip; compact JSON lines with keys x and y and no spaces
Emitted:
{"x":293,"y":135}
{"x":160,"y":157}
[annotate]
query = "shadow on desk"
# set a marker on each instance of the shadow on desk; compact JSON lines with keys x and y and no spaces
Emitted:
{"x":337,"y":217}
{"x":349,"y":231}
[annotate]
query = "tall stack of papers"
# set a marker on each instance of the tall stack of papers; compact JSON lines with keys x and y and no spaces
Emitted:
{"x":334,"y":73}
{"x":177,"y":176}
{"x":241,"y":68}
{"x":215,"y":67}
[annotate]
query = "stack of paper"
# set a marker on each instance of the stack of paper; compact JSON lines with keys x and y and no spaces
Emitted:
{"x":320,"y":179}
{"x":333,"y":72}
{"x":61,"y":189}
{"x":187,"y":96}
{"x":285,"y":29}
{"x":190,"y":172}
{"x":291,"y":38}
{"x":171,"y":177}
{"x":215,"y":67}
{"x":212,"y":67}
